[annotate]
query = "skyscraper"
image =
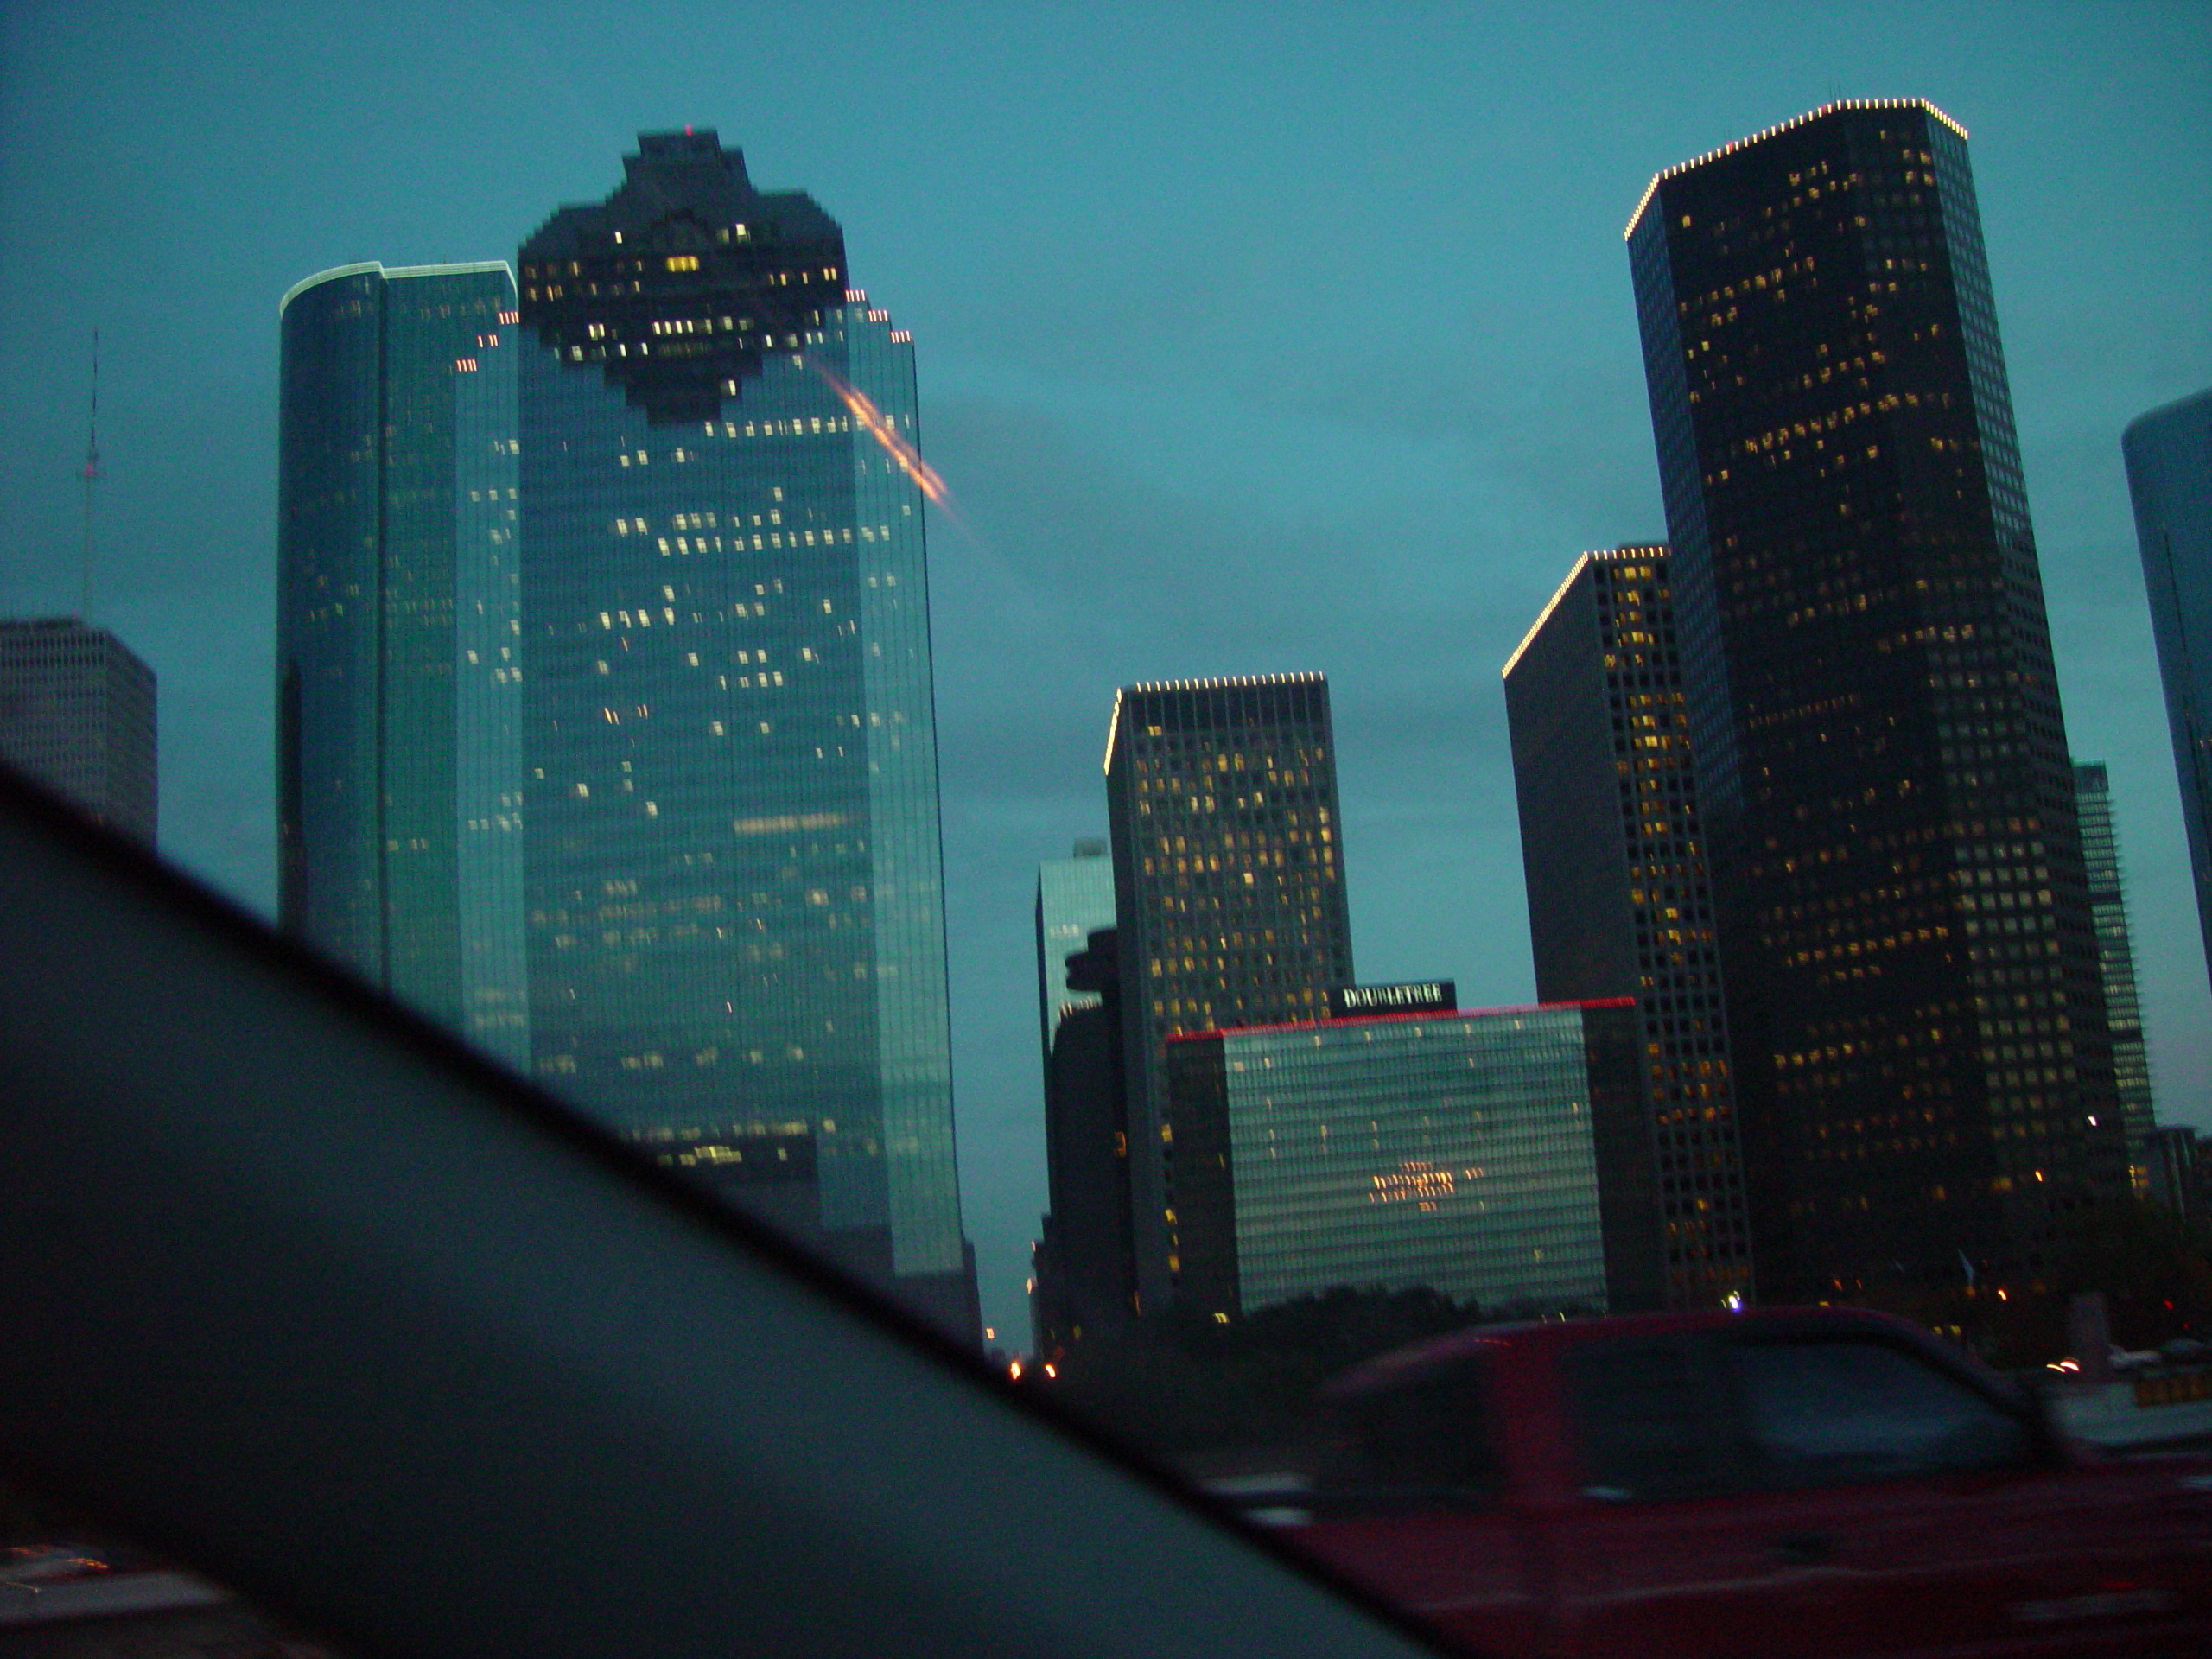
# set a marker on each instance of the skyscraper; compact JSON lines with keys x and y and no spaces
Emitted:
{"x":1228,"y":888}
{"x":2130,"y":1056}
{"x":1620,"y":904}
{"x":1915,"y":1006}
{"x":1085,"y":1259}
{"x":77,"y":713}
{"x":399,"y":672}
{"x":1075,"y":897}
{"x":2169,"y":455}
{"x":734,"y":896}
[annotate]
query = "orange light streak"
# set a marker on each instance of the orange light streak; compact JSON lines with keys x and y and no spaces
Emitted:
{"x":877,"y":426}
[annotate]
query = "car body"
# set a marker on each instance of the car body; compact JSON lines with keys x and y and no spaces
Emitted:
{"x":1807,"y":1481}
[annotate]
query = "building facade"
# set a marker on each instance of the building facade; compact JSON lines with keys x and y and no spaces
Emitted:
{"x":1620,"y":903}
{"x":1084,"y":1263}
{"x":1075,"y":898}
{"x":2169,"y":455}
{"x":77,"y":712}
{"x":399,"y":672}
{"x":1228,"y":889}
{"x":734,"y":896}
{"x":1497,"y":1156}
{"x":1923,"y":1071}
{"x":2130,"y":1054}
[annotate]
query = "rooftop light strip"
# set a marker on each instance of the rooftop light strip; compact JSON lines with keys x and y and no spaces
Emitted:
{"x":1729,"y":149}
{"x":1229,"y":683}
{"x":1544,"y":616}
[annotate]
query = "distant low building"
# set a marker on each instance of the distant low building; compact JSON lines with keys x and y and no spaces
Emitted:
{"x":1498,"y":1156}
{"x":77,"y":712}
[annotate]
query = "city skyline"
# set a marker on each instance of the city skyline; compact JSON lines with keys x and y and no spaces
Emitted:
{"x":1168,"y":470}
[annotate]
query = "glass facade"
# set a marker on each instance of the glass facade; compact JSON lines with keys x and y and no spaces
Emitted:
{"x":1075,"y":896}
{"x":732,"y":885}
{"x":1620,"y":903}
{"x":1457,"y":1152}
{"x":1923,"y":1064}
{"x":2130,"y":1055}
{"x":1229,"y":889}
{"x":398,"y":658}
{"x":77,"y":713}
{"x":2169,"y":455}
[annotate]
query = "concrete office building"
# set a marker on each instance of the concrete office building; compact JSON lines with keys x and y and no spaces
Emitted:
{"x":1228,"y":889}
{"x":1923,"y":1070}
{"x":77,"y":712}
{"x":1620,"y":903}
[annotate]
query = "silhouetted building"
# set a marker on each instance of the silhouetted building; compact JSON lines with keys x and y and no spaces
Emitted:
{"x":2169,"y":455}
{"x":1914,"y":999}
{"x":2130,"y":1055}
{"x":733,"y":893}
{"x":1620,"y":901}
{"x":1075,"y":898}
{"x":1086,"y":1263}
{"x":2173,"y":1164}
{"x":77,"y":713}
{"x":1229,"y":889}
{"x":1499,"y":1156}
{"x":400,"y":668}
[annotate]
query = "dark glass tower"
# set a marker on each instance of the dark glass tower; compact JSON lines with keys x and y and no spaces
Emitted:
{"x":399,"y":673}
{"x":2131,"y":1054}
{"x":1228,"y":889}
{"x":1923,"y":1069}
{"x":2170,"y":476}
{"x":734,"y":902}
{"x":77,"y":713}
{"x":1620,"y":901}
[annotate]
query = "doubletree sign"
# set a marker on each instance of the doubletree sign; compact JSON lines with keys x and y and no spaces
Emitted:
{"x":1424,"y":996}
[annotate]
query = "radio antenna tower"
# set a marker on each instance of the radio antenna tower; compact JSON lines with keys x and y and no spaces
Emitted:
{"x":92,"y":474}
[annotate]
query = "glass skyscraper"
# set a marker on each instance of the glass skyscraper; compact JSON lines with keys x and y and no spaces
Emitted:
{"x":77,"y":713}
{"x":399,"y":672}
{"x":1620,"y":903}
{"x":733,"y":892}
{"x":2130,"y":1055}
{"x":1923,"y":1071}
{"x":1228,"y":889}
{"x":2169,"y":455}
{"x":1470,"y":1153}
{"x":1075,"y":897}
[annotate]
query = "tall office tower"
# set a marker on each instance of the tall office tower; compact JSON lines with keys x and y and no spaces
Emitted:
{"x":399,"y":673}
{"x":1228,"y":888}
{"x":1075,"y":898}
{"x":1086,"y":1258}
{"x":734,"y":899}
{"x":1620,"y":901}
{"x":77,"y":713}
{"x":2169,"y":455}
{"x":1498,"y":1155}
{"x":1914,"y":1008}
{"x":2130,"y":1056}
